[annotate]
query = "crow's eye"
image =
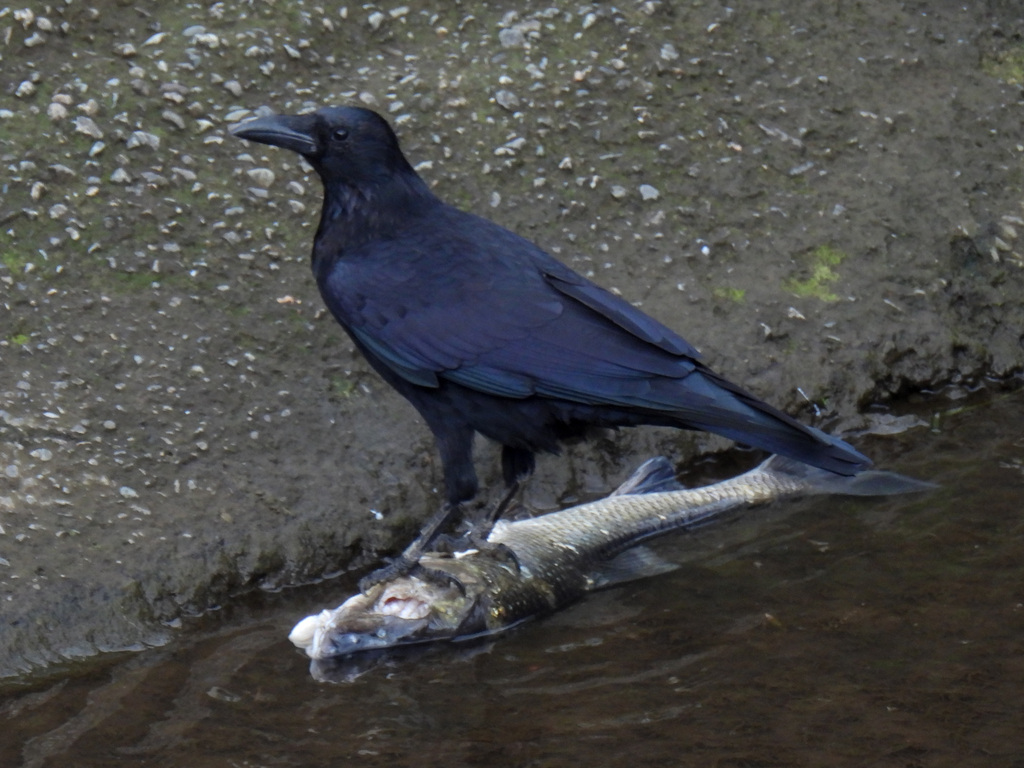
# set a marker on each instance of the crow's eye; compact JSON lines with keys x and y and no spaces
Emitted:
{"x":341,"y":134}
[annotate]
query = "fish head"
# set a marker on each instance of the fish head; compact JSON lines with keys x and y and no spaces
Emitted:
{"x":404,"y":610}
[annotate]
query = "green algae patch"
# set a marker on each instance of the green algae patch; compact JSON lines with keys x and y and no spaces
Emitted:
{"x":1007,"y":66}
{"x":823,"y":261}
{"x":726,"y":293}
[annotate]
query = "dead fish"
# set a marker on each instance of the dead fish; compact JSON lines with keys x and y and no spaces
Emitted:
{"x":539,"y":565}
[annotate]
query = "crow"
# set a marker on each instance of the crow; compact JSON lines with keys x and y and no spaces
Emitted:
{"x":484,"y":332}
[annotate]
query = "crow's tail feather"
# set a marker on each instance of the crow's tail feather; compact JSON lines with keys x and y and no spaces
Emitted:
{"x":727,"y":410}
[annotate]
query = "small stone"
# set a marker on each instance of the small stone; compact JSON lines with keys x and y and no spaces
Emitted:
{"x":669,"y":52}
{"x":90,"y":107}
{"x":233,"y":87}
{"x":109,"y":425}
{"x":34,"y":40}
{"x":263,"y":177}
{"x":207,"y":39}
{"x":375,"y":20}
{"x":25,"y":16}
{"x":125,"y":50}
{"x":647,"y":192}
{"x":619,"y":191}
{"x":120,"y":176}
{"x":799,"y":170}
{"x":56,"y":111}
{"x":85,"y":124}
{"x":185,"y":174}
{"x":511,"y":147}
{"x":128,"y":492}
{"x":143,"y":139}
{"x":25,"y":89}
{"x":511,"y":37}
{"x":173,"y":118}
{"x":506,"y":100}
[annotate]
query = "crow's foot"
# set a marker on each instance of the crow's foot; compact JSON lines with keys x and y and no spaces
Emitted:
{"x":395,"y":568}
{"x":405,"y":562}
{"x":440,"y":577}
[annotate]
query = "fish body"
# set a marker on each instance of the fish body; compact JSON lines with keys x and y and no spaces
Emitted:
{"x":539,"y":565}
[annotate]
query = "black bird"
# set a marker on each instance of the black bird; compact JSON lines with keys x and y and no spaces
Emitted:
{"x":482,"y":331}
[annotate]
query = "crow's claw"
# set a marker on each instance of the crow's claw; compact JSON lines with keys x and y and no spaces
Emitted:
{"x":395,"y":567}
{"x":497,"y":550}
{"x":440,"y":577}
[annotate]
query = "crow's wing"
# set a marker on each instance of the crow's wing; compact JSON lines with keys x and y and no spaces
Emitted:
{"x":457,"y":297}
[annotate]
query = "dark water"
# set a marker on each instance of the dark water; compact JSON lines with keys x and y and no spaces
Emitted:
{"x":823,"y":632}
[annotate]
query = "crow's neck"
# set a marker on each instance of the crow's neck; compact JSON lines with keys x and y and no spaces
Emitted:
{"x":354,"y":215}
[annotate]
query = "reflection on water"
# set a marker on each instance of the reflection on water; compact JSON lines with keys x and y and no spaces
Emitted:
{"x":825,"y":632}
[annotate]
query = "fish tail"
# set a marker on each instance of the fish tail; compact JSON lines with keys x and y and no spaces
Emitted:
{"x":819,"y":481}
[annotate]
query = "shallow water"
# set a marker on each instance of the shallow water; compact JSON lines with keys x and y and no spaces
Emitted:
{"x":821,"y":632}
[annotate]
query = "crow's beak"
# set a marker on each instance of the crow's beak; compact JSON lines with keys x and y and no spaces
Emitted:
{"x":294,"y":132}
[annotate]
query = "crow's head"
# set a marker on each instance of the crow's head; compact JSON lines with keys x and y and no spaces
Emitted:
{"x":347,"y":145}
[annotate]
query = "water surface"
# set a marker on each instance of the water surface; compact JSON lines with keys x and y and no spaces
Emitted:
{"x":819,"y":632}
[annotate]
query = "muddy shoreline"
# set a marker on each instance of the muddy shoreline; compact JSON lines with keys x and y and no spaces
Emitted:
{"x":827,"y":202}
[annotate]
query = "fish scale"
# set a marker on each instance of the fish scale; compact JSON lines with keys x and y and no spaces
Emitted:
{"x":606,"y":527}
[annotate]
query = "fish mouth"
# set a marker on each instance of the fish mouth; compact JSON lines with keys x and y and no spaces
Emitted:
{"x":403,"y":612}
{"x":388,"y":632}
{"x":407,"y":606}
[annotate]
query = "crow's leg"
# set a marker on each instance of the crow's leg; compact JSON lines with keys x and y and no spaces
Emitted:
{"x":455,"y":444}
{"x":482,"y":526}
{"x":517,"y":464}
